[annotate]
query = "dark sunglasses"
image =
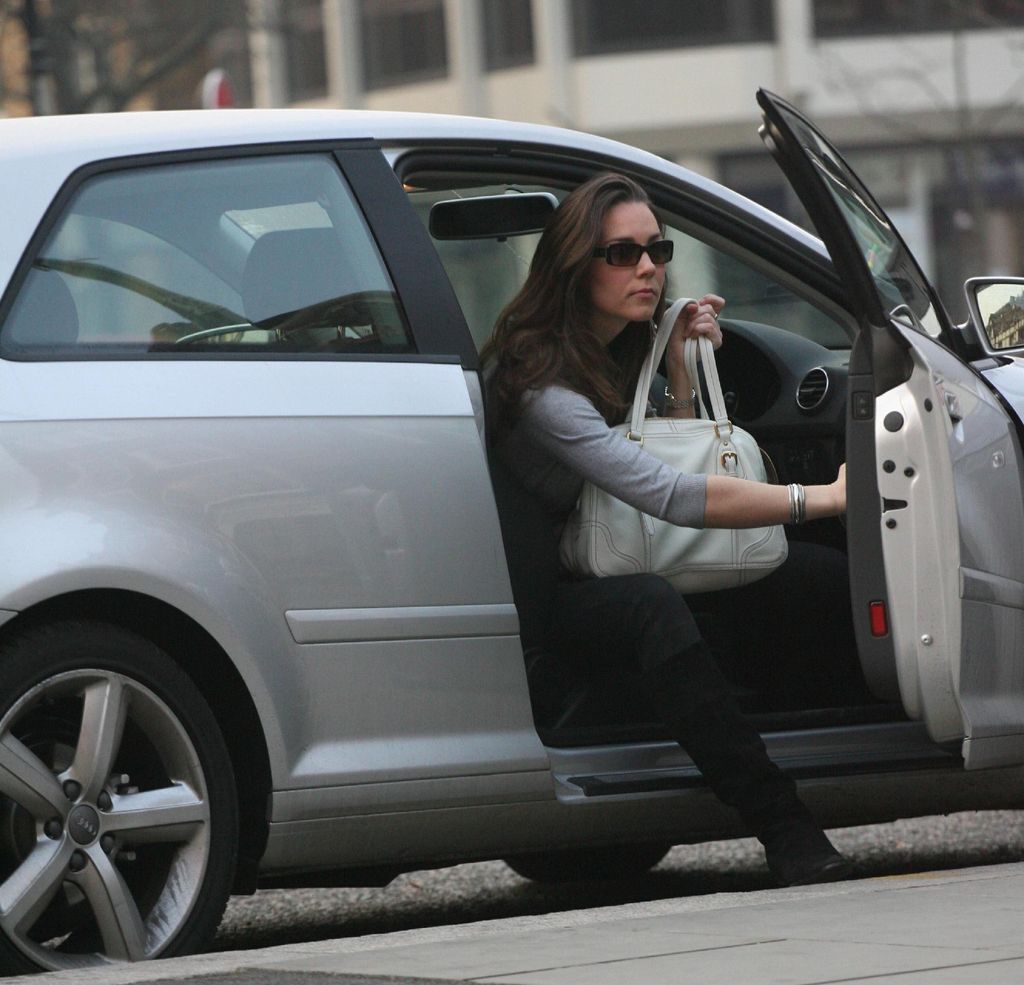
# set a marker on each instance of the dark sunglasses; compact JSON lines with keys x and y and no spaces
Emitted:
{"x":628,"y":254}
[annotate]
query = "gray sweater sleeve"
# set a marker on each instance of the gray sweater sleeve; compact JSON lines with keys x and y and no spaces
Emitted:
{"x":568,"y":427}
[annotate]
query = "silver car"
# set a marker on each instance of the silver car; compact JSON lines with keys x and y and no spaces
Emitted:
{"x":256,"y":619}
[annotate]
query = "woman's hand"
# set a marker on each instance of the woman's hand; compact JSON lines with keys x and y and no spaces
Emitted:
{"x":696,"y":319}
{"x":743,"y":503}
{"x":700,"y":318}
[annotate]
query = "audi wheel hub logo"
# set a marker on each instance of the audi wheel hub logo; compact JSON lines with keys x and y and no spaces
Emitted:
{"x":84,"y":824}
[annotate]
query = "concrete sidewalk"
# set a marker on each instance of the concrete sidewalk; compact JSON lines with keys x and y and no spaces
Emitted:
{"x":963,"y":927}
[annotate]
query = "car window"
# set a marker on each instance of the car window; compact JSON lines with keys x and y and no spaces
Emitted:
{"x":262,"y":255}
{"x":900,"y":285}
{"x":750,"y":293}
{"x":486,"y":273}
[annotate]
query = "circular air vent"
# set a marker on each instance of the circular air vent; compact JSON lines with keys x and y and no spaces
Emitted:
{"x":813,"y":389}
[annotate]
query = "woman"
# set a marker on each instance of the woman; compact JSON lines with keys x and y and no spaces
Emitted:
{"x":562,"y":365}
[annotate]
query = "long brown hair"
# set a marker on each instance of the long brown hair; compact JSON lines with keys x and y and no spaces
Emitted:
{"x":544,"y":335}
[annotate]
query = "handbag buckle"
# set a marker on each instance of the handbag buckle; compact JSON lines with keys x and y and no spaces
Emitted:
{"x":730,"y":461}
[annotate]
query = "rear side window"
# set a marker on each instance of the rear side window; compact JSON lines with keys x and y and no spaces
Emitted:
{"x":260,"y":255}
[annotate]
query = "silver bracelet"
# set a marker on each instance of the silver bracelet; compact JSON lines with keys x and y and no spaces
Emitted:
{"x":672,"y":402}
{"x":797,"y":503}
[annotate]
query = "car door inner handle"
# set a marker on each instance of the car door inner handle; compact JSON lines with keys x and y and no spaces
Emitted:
{"x":953,"y":407}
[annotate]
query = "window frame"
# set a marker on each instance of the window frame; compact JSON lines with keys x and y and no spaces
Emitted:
{"x":305,"y":52}
{"x":743,"y":236}
{"x":373,"y":26}
{"x":497,"y":58}
{"x":741,"y":28}
{"x":923,"y":18}
{"x":434,"y":320}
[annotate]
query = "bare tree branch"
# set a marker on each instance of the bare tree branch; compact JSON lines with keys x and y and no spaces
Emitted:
{"x":105,"y":53}
{"x":147,"y":73}
{"x":851,"y":80}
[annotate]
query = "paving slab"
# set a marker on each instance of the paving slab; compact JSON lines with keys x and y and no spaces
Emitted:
{"x":258,"y":976}
{"x":777,"y":963}
{"x":1005,"y":972}
{"x":961,"y":927}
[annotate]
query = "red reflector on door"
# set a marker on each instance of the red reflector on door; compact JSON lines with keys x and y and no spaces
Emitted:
{"x":879,"y":619}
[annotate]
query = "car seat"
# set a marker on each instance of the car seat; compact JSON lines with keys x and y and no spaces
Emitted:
{"x":297,"y":280}
{"x":44,"y":316}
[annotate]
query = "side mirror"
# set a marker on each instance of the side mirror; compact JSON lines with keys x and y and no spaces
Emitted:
{"x":997,"y":310}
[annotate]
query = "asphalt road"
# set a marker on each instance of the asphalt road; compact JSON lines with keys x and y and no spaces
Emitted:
{"x":490,"y":890}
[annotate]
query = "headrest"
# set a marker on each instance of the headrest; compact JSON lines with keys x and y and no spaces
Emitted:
{"x":288,"y":270}
{"x":44,"y":313}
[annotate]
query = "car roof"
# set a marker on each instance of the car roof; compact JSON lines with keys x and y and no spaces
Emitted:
{"x":38,"y":154}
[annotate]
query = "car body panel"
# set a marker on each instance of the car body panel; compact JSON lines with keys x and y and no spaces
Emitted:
{"x":416,"y":838}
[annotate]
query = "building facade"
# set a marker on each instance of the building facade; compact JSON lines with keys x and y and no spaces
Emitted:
{"x":925,"y":97}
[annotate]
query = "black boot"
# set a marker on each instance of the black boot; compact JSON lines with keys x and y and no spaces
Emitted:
{"x":693,"y":699}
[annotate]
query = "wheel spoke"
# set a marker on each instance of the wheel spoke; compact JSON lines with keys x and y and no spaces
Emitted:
{"x":170,"y":814}
{"x":25,"y":778}
{"x":103,"y":717}
{"x":112,"y":904}
{"x":27,"y":892}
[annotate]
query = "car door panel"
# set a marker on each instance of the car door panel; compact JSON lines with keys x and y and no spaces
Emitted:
{"x":350,"y":499}
{"x":945,"y":465}
{"x":922,"y":560}
{"x":327,"y":517}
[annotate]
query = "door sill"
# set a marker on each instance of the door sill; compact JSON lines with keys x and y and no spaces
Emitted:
{"x":778,"y":721}
{"x":689,"y":777}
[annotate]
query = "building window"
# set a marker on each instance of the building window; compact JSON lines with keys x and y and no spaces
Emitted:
{"x":603,"y":27}
{"x":846,"y":18}
{"x":303,"y":27}
{"x":403,"y":41}
{"x":508,"y":33}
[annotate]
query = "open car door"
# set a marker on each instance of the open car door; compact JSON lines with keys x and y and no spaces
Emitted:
{"x":935,"y":503}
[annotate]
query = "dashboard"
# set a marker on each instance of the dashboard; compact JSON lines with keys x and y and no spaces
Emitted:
{"x":790,"y":393}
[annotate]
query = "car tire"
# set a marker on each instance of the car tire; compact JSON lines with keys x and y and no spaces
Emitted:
{"x":118,"y":807}
{"x":588,"y":864}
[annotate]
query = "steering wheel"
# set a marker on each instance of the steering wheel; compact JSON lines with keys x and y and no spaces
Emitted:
{"x":212,"y":333}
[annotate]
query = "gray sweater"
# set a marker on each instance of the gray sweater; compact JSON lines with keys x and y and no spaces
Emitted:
{"x":560,"y":440}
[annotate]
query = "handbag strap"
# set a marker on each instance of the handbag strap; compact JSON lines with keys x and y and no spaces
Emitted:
{"x":691,"y":348}
{"x":654,"y":354}
{"x":703,"y":345}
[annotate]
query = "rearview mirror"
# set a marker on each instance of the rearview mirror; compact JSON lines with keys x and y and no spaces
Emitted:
{"x":997,"y":310}
{"x":491,"y":216}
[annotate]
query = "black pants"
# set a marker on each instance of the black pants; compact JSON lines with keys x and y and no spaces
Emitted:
{"x":787,"y":637}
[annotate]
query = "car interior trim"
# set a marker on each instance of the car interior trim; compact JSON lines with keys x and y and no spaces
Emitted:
{"x":983,"y":586}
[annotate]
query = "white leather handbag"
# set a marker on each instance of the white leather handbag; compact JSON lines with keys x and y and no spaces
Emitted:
{"x":605,"y":536}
